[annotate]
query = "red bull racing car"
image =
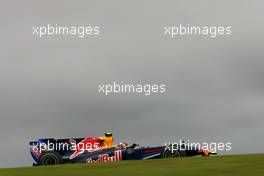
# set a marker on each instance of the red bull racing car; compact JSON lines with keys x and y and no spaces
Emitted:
{"x":100,"y":149}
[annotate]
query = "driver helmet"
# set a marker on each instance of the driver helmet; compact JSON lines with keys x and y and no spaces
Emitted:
{"x":108,"y":134}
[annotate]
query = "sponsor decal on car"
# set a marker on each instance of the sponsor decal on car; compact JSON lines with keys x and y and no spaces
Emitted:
{"x":106,"y":158}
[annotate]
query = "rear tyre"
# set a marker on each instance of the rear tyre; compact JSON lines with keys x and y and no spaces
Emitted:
{"x":34,"y":164}
{"x":50,"y":158}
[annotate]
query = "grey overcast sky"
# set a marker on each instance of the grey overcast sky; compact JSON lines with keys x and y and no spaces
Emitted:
{"x":49,"y":86}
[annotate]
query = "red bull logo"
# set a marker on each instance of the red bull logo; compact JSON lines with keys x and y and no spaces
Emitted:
{"x":106,"y":158}
{"x":87,"y":144}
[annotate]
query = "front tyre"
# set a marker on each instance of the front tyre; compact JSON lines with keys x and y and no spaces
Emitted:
{"x":50,"y":158}
{"x":171,"y":154}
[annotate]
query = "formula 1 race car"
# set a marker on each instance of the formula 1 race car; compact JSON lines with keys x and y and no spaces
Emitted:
{"x":99,"y":149}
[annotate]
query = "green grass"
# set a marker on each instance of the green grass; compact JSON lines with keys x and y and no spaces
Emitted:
{"x":219,"y":165}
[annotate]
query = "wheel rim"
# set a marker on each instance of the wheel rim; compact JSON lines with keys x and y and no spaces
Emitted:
{"x":49,"y":161}
{"x":169,"y":154}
